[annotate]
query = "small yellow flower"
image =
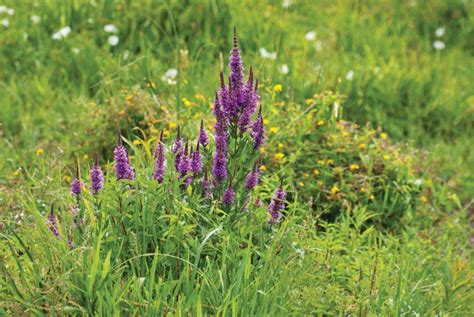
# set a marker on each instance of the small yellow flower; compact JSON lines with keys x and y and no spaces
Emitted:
{"x":301,"y":184}
{"x":320,"y":123}
{"x":39,"y":152}
{"x":362,"y":190}
{"x":263,"y":168}
{"x":345,"y":134}
{"x":386,"y":157}
{"x":330,"y":162}
{"x":280,"y":145}
{"x":154,"y":131}
{"x":67,"y":178}
{"x":186,"y":102}
{"x":151,"y":85}
{"x":273,"y":110}
{"x":137,"y":141}
{"x":211,"y":106}
{"x":321,"y":162}
{"x":200,"y":97}
{"x":166,"y":133}
{"x":85,"y":157}
{"x":172,"y":125}
{"x":129,"y":98}
{"x":279,"y":156}
{"x":305,"y":175}
{"x":362,"y":146}
{"x":334,"y":190}
{"x":309,"y":101}
{"x":277,"y":88}
{"x":273,"y":130}
{"x":338,"y":170}
{"x":383,"y":136}
{"x":262,"y":150}
{"x":17,"y":172}
{"x":121,"y":112}
{"x":316,"y":172}
{"x":372,"y":197}
{"x":354,"y":167}
{"x":424,"y":199}
{"x":266,"y":121}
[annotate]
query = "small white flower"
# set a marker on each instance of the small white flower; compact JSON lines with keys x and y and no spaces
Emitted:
{"x":266,"y":54}
{"x":5,"y":22}
{"x":62,"y":33}
{"x":113,"y":40}
{"x":3,"y":9}
{"x":35,"y":19}
{"x":440,"y":31}
{"x":287,"y":3}
{"x":418,"y":182}
{"x":90,"y":20}
{"x":10,"y":11}
{"x":350,"y":75}
{"x":110,"y":28}
{"x":76,"y":50}
{"x":169,"y":76}
{"x":310,"y":36}
{"x":318,"y":46}
{"x":439,"y":45}
{"x":284,"y":69}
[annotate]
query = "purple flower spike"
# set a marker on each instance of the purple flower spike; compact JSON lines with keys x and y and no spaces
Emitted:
{"x":160,"y":160}
{"x":185,"y":166}
{"x":258,"y":133}
{"x":203,"y":139}
{"x":229,"y":196}
{"x":97,"y":176}
{"x":219,"y":167}
{"x":76,"y":185}
{"x":52,"y":223}
{"x":178,"y":143}
{"x":122,"y":167}
{"x":236,"y":66}
{"x":276,"y":205}
{"x":196,"y":160}
{"x":252,"y":178}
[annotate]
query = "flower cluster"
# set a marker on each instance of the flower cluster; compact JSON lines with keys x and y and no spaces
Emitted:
{"x":238,"y":134}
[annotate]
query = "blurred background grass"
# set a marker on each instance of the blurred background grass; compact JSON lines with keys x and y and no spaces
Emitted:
{"x":385,"y":57}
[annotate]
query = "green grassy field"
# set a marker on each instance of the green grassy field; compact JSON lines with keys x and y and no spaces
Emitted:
{"x":369,"y":115}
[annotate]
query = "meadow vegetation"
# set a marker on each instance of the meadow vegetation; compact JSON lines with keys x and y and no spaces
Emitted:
{"x":367,"y":163}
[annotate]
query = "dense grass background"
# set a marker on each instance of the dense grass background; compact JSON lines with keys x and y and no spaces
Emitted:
{"x":64,"y":100}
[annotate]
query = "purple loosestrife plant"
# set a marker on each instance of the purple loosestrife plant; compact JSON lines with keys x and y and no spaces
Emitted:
{"x":253,"y":177}
{"x":96,"y":176}
{"x":160,"y":160}
{"x":196,"y":160}
{"x":185,"y":166}
{"x":203,"y":138}
{"x":76,"y":185}
{"x":122,"y":167}
{"x":229,"y":196}
{"x":177,"y":149}
{"x":258,"y":130}
{"x":52,"y":223}
{"x":276,"y":205}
